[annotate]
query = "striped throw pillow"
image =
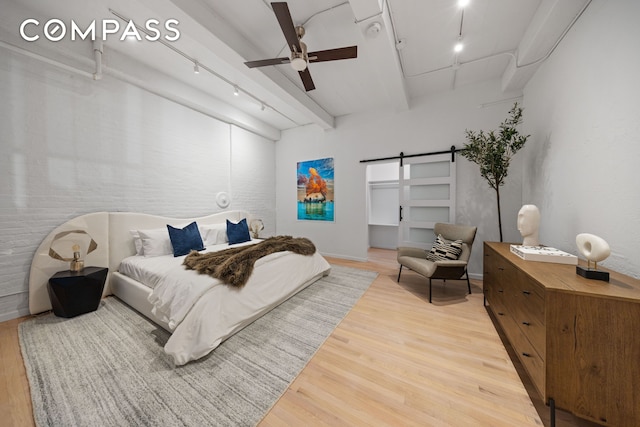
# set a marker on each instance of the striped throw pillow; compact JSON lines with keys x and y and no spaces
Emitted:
{"x":444,"y":249}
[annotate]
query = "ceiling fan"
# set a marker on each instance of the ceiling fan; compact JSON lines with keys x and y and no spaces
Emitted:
{"x":300,"y":58}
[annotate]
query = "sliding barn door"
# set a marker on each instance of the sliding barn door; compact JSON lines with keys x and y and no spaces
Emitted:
{"x":427,"y":195}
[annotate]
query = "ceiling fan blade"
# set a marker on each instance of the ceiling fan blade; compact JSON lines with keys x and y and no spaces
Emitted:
{"x":307,"y":81}
{"x":265,"y":62}
{"x":334,"y":54}
{"x":281,"y":9}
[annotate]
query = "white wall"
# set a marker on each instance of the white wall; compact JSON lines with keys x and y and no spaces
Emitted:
{"x":581,"y":168}
{"x":72,"y":146}
{"x":434,"y":123}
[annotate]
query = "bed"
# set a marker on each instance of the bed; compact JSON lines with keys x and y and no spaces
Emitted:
{"x":213,"y":311}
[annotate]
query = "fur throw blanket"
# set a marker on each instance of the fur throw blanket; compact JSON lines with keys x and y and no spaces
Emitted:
{"x":234,"y":266}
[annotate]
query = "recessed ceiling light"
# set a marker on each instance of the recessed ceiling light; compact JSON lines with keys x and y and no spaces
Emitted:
{"x":458,"y":46}
{"x":463,"y":3}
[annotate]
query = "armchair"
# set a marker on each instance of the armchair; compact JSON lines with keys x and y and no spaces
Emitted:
{"x":415,"y":258}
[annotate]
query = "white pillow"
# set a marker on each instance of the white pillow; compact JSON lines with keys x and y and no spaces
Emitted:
{"x":137,"y":241}
{"x":214,"y":234}
{"x":155,"y":242}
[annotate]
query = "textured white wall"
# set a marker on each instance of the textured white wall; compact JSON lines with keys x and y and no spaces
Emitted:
{"x":253,"y":177}
{"x":582,"y":109}
{"x":434,"y":123}
{"x":72,"y":146}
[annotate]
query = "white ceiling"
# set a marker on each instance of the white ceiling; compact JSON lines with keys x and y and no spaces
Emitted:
{"x":411,"y":56}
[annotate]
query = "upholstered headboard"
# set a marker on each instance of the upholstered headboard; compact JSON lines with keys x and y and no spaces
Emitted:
{"x":111,"y":232}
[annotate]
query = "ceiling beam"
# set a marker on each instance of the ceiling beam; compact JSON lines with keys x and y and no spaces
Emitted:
{"x":547,"y":28}
{"x":374,"y":20}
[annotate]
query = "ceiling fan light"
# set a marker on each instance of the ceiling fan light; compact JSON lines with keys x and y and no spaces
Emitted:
{"x":298,"y":64}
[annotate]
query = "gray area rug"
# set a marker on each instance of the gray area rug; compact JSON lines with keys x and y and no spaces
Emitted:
{"x":108,"y":368}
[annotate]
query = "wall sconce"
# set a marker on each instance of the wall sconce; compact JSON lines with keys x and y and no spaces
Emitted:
{"x":70,"y":245}
{"x":223,"y":200}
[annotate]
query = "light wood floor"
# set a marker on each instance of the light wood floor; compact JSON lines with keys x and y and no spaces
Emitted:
{"x":395,"y":360}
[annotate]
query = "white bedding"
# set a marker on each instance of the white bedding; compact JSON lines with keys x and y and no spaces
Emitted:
{"x":149,"y":270}
{"x":202,"y":311}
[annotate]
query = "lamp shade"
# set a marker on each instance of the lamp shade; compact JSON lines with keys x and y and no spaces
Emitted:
{"x":64,"y":244}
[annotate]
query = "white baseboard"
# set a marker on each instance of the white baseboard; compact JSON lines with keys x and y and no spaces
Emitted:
{"x":350,"y":258}
{"x":14,"y":314}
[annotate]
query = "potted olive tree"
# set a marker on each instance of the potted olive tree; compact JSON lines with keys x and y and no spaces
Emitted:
{"x":493,"y":150}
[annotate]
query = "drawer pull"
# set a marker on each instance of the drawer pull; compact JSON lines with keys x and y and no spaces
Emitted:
{"x":500,"y":290}
{"x":500,"y":314}
{"x":526,"y":354}
{"x":526,"y":323}
{"x":526,"y":292}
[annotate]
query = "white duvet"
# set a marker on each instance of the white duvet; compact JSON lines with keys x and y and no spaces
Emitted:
{"x":202,"y":311}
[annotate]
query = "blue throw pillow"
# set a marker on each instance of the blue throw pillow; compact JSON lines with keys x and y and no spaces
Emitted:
{"x":238,"y":233}
{"x":184,"y":240}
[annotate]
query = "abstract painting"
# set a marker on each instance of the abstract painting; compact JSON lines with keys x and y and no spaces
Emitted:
{"x":315,"y":190}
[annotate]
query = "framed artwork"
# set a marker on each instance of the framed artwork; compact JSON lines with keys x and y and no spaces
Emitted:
{"x":315,"y":190}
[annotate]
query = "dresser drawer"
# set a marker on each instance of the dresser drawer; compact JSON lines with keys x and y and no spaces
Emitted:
{"x":532,"y":329}
{"x":528,"y":312}
{"x":496,"y":284}
{"x":527,"y":286}
{"x":498,"y":308}
{"x":531,"y":360}
{"x":495,"y":293}
{"x":531,"y":306}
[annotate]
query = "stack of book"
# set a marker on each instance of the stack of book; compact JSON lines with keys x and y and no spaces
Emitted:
{"x":544,"y":254}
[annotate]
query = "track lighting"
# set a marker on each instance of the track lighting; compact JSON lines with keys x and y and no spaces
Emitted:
{"x":458,"y":46}
{"x":197,"y":65}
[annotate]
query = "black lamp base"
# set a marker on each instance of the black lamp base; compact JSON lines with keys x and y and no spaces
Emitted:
{"x":592,"y":274}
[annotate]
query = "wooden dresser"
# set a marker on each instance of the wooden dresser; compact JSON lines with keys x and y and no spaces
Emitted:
{"x":578,"y":339}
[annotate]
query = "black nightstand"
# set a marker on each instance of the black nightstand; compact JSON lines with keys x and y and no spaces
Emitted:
{"x":76,"y":292}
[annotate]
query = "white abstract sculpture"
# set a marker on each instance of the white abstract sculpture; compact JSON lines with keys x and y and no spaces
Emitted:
{"x":593,"y":248}
{"x":528,"y":224}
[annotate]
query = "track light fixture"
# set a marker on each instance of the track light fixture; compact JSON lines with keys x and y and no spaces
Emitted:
{"x":197,"y":65}
{"x":458,"y":46}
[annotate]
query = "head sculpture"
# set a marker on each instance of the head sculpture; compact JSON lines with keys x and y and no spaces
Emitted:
{"x":528,"y":224}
